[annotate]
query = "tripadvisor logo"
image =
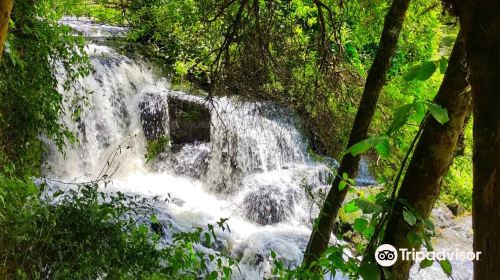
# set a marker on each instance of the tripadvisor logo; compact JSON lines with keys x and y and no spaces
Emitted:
{"x":386,"y":255}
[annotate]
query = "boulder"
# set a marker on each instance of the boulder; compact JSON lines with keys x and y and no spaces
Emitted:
{"x":268,"y":206}
{"x":189,"y":121}
{"x":153,"y":116}
{"x":456,"y":208}
{"x":442,"y":217}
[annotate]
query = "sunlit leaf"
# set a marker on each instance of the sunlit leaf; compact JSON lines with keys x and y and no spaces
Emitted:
{"x":439,"y":113}
{"x":425,"y":263}
{"x":360,"y":225}
{"x":421,"y":72}
{"x":342,"y":185}
{"x":383,"y":147}
{"x":361,"y":147}
{"x":351,"y":207}
{"x":380,"y":143}
{"x":446,"y":266}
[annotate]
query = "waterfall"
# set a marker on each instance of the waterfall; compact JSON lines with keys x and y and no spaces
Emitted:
{"x":246,"y":161}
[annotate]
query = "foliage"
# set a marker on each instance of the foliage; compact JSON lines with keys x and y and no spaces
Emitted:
{"x":309,"y":57}
{"x":30,"y":104}
{"x":106,"y":11}
{"x":82,"y":233}
{"x":457,"y":185}
{"x":155,"y":147}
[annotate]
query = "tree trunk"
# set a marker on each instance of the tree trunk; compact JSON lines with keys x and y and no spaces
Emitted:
{"x":5,"y":9}
{"x":433,"y":156}
{"x":481,"y":24}
{"x":375,"y":81}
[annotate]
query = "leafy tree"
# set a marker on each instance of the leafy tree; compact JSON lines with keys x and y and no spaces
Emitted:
{"x":430,"y":161}
{"x":81,"y":233}
{"x":30,"y":102}
{"x":376,"y":79}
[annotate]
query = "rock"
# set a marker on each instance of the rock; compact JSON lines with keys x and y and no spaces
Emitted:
{"x":153,"y":116}
{"x":442,"y":217}
{"x":456,"y":208}
{"x":259,"y":258}
{"x":157,"y":228}
{"x":268,"y":206}
{"x":189,"y":160}
{"x":188,"y":121}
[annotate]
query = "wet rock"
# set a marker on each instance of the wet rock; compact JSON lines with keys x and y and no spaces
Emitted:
{"x":188,"y":160}
{"x":153,"y":116}
{"x":456,"y":208}
{"x":268,"y":206}
{"x":259,"y":258}
{"x":191,"y":160}
{"x":442,"y":217}
{"x":188,"y":121}
{"x":157,"y":228}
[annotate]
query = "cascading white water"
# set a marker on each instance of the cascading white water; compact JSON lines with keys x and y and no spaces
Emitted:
{"x":252,"y":171}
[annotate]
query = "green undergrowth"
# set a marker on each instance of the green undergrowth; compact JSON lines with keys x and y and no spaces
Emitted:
{"x":82,"y":233}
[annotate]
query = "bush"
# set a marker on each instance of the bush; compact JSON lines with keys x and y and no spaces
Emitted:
{"x":82,"y":233}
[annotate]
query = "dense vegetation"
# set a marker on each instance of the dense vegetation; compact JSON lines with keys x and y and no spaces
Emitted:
{"x":308,"y":55}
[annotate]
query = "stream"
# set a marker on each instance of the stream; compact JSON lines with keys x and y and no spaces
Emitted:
{"x":245,"y":161}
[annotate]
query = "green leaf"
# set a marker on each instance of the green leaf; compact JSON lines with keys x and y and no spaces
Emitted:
{"x":368,"y":207}
{"x":428,"y":243}
{"x":412,"y":74}
{"x":446,"y":266}
{"x":421,"y":72}
{"x":426,"y":263}
{"x":154,"y":219}
{"x":342,"y":185}
{"x":208,"y":239}
{"x":227,"y":271}
{"x":419,"y":112}
{"x":426,"y":71}
{"x":360,"y":225}
{"x":400,"y":117}
{"x":429,"y":224}
{"x":409,"y":217}
{"x":58,"y":193}
{"x":383,"y":148}
{"x":361,"y":147}
{"x":351,"y":207}
{"x":369,"y":271}
{"x":213,"y":275}
{"x":439,"y":113}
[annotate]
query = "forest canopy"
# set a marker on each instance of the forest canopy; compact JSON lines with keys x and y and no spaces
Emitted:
{"x":388,"y":82}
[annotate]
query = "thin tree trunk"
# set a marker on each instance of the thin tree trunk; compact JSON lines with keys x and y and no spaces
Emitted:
{"x":375,"y":81}
{"x":5,"y":9}
{"x":433,"y":156}
{"x":481,"y":24}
